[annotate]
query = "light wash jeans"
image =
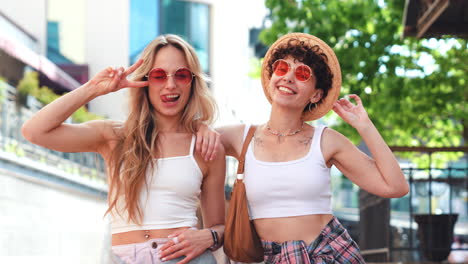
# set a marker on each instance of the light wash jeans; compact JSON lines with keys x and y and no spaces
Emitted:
{"x":147,"y":253}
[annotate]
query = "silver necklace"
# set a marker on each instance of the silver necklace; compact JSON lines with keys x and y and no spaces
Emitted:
{"x":279,"y":135}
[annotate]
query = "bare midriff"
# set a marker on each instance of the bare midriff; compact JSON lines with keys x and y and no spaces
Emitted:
{"x":281,"y":229}
{"x":139,"y":236}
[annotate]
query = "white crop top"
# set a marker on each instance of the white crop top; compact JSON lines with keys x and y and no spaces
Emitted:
{"x":174,"y":191}
{"x":290,"y":188}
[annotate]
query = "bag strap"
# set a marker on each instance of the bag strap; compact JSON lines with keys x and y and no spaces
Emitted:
{"x":248,"y":138}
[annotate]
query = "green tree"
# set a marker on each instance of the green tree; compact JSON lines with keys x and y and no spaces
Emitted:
{"x":411,"y":105}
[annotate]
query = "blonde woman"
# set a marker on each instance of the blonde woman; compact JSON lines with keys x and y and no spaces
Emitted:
{"x":155,"y":178}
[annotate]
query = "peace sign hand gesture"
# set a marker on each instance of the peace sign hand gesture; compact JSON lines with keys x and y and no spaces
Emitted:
{"x":113,"y":79}
{"x":355,"y":115}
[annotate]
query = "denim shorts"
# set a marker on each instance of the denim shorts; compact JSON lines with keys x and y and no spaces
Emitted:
{"x":332,"y":246}
{"x":147,"y":253}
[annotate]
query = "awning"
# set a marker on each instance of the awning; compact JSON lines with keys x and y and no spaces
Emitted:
{"x":40,"y":63}
{"x":424,"y":19}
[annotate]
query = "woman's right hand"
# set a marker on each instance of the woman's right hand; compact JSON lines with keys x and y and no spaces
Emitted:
{"x":113,"y":79}
{"x":190,"y":243}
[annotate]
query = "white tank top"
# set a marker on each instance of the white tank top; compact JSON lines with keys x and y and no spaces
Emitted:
{"x":171,"y":198}
{"x":290,"y":188}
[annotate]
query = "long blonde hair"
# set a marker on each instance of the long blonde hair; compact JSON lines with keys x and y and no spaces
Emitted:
{"x":137,"y":145}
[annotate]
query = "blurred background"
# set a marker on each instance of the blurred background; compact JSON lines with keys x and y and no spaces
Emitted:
{"x":406,"y":59}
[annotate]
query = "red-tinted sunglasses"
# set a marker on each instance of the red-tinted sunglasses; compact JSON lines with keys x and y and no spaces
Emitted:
{"x":158,"y":76}
{"x":282,"y":67}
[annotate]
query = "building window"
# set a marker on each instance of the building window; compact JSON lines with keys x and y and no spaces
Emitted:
{"x":144,"y":25}
{"x":191,"y":21}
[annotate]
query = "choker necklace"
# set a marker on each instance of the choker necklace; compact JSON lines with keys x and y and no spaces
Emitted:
{"x":279,"y":135}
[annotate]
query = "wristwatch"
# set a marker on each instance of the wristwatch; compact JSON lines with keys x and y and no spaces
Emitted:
{"x":215,"y":245}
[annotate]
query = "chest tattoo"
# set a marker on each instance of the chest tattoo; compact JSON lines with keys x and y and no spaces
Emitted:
{"x":306,"y":141}
{"x":258,"y":141}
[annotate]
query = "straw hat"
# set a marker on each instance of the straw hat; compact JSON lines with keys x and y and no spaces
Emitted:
{"x":327,"y":103}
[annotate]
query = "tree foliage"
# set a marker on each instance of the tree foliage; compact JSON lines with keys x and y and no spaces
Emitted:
{"x":411,"y":104}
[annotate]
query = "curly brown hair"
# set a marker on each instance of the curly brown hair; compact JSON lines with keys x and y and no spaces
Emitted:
{"x":310,"y":55}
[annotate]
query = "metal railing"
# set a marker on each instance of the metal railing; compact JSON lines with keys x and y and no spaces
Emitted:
{"x":12,"y":117}
{"x":432,"y":193}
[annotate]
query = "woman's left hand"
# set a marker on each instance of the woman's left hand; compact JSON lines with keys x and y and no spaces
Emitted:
{"x":190,"y":243}
{"x":355,"y":115}
{"x":208,"y":142}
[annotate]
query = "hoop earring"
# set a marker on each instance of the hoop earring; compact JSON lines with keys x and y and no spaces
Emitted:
{"x":315,"y":107}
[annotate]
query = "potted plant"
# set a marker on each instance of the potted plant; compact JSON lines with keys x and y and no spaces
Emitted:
{"x":435,"y":234}
{"x":26,"y":87}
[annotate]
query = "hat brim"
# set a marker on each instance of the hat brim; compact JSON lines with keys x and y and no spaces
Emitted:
{"x":327,"y":104}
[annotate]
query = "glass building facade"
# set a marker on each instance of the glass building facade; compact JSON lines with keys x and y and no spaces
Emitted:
{"x":144,"y":25}
{"x":190,"y":20}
